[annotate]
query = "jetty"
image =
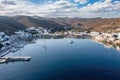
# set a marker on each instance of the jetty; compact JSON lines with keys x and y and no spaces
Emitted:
{"x":14,"y":58}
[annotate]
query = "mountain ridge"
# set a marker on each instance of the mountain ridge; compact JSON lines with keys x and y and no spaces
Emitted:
{"x":14,"y":23}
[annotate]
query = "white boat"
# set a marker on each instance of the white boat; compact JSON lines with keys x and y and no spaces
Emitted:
{"x":2,"y":61}
{"x":71,"y":41}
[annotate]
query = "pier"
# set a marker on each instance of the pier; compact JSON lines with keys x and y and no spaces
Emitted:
{"x":14,"y":58}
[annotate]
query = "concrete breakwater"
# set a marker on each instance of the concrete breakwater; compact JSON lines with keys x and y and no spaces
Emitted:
{"x":14,"y":58}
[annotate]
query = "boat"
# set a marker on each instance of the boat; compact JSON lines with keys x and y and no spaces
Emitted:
{"x":2,"y":61}
{"x":71,"y":41}
{"x":45,"y":47}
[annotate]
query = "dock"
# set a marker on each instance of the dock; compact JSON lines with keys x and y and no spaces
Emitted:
{"x":14,"y":58}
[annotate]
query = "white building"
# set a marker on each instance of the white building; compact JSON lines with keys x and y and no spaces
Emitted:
{"x":94,"y":34}
{"x":119,"y":35}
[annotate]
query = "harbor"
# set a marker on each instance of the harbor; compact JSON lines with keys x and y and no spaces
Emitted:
{"x":13,"y":43}
{"x":63,"y":58}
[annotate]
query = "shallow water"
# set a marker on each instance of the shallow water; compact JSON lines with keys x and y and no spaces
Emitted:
{"x":57,"y":59}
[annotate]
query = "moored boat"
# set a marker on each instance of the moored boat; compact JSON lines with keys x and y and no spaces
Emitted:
{"x":71,"y":41}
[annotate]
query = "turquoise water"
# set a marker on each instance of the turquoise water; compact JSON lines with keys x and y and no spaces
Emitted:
{"x":57,"y":59}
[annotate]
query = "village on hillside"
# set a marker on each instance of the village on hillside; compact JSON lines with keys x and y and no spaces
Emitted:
{"x":12,"y":43}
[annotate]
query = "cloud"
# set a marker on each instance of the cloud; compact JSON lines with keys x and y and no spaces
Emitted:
{"x":103,"y":8}
{"x":8,"y":2}
{"x":60,"y":8}
{"x":81,"y":1}
{"x":100,"y":6}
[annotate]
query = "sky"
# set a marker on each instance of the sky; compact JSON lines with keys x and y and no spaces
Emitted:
{"x":61,"y":8}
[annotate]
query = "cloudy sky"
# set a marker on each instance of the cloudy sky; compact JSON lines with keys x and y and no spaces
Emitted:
{"x":61,"y":8}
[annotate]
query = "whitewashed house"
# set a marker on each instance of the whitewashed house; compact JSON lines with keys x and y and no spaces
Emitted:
{"x":118,"y":35}
{"x":5,"y":40}
{"x":94,"y":34}
{"x":23,"y":35}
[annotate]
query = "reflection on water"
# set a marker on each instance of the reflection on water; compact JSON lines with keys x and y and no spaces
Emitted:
{"x":83,"y":60}
{"x":108,"y":45}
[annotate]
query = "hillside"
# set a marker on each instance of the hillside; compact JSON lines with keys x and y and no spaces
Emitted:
{"x":95,"y":24}
{"x":9,"y":25}
{"x":38,"y":22}
{"x":104,"y":24}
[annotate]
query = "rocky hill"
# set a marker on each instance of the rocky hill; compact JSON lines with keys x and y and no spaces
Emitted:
{"x":95,"y":24}
{"x":38,"y":22}
{"x":11,"y":24}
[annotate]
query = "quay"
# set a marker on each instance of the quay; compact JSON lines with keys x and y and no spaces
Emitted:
{"x":14,"y":58}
